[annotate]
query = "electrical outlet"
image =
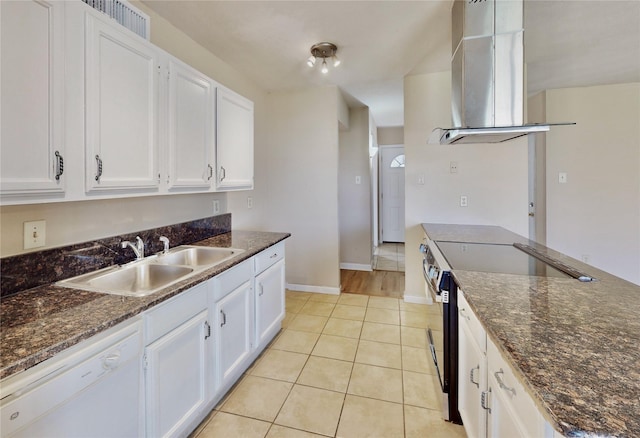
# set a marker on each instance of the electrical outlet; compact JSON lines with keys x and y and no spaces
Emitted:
{"x":453,"y":167}
{"x":585,"y":258}
{"x":358,"y":179}
{"x":34,"y":234}
{"x":463,"y":201}
{"x":421,"y":180}
{"x":216,"y":206}
{"x":562,"y":177}
{"x":249,"y":202}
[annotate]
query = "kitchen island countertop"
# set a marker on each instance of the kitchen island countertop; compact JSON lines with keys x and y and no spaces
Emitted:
{"x":575,"y":346}
{"x":38,"y":323}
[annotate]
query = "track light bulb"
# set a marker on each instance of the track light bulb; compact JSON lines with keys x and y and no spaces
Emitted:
{"x":311,"y":61}
{"x":336,"y":61}
{"x":325,"y":69}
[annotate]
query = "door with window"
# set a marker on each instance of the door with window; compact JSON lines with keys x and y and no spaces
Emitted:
{"x":392,"y":193}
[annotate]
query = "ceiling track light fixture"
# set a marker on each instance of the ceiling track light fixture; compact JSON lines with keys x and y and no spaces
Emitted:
{"x":323,"y":51}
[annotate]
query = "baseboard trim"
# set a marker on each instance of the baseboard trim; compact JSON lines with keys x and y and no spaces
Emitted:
{"x":416,"y":300}
{"x":314,"y":289}
{"x":356,"y":267}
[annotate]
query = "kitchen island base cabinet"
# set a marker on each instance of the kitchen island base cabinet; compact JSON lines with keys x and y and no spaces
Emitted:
{"x":177,"y":367}
{"x":233,"y":315}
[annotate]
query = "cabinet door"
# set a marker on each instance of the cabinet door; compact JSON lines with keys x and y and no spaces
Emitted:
{"x":233,"y":333}
{"x":269,"y":301}
{"x":121,"y":81}
{"x":32,"y":88}
{"x":176,"y":377}
{"x":472,"y":381}
{"x":191,"y":127}
{"x":234,"y":145}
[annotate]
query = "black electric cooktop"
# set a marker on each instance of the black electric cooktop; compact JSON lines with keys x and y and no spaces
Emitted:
{"x":505,"y":259}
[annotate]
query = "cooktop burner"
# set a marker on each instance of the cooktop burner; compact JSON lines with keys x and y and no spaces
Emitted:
{"x":505,"y":259}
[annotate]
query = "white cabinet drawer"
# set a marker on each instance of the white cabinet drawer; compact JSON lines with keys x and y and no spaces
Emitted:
{"x":466,"y":316}
{"x":172,"y":313}
{"x":523,"y":411}
{"x":268,"y":257}
{"x":230,"y":279}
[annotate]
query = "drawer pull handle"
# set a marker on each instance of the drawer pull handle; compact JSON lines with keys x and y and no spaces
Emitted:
{"x":463,"y":313}
{"x":59,"y":165}
{"x":471,"y":375}
{"x":208,"y":329}
{"x":261,"y":290}
{"x":502,"y":384}
{"x":484,"y":400}
{"x":274,"y":255}
{"x":224,"y":318}
{"x":14,"y":415}
{"x":99,"y":164}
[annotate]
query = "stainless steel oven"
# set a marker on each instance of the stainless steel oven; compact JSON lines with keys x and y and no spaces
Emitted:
{"x":442,"y":333}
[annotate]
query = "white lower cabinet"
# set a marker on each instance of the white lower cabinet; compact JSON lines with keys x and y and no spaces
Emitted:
{"x":269,"y":293}
{"x":233,"y":329}
{"x":177,"y":366}
{"x":491,"y":400}
{"x":472,"y":371}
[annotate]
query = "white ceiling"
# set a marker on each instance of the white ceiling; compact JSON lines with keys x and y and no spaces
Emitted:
{"x":568,"y":43}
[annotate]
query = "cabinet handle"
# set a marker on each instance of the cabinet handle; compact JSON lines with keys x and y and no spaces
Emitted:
{"x":274,"y":255}
{"x":59,"y":165}
{"x":471,"y":375}
{"x":463,"y":313}
{"x":99,"y":163}
{"x":223,"y":172}
{"x":502,"y":384}
{"x":210,"y":172}
{"x":208,"y":328}
{"x":224,"y":318}
{"x":261,"y":287}
{"x":484,"y":402}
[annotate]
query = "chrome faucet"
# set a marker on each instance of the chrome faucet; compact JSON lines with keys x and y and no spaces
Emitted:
{"x":138,"y":248}
{"x":165,"y":241}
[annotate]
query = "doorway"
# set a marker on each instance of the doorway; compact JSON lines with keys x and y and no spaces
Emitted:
{"x":392,"y":194}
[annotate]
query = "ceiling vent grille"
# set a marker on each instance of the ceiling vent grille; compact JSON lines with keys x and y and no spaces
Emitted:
{"x":124,"y":13}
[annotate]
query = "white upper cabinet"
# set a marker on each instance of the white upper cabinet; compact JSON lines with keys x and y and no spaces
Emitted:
{"x":191,"y":127}
{"x":32,"y":95}
{"x":121,"y":86}
{"x":234,"y":146}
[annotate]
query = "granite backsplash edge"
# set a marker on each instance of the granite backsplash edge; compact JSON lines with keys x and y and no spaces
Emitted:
{"x":26,"y":271}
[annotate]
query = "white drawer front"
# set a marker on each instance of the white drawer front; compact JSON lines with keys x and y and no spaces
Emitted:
{"x":466,"y":316}
{"x":170,"y":314}
{"x":524,"y":410}
{"x":268,"y":257}
{"x":231,"y":279}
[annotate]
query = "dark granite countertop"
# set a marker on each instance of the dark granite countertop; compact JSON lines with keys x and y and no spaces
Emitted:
{"x":38,"y":323}
{"x":575,"y":346}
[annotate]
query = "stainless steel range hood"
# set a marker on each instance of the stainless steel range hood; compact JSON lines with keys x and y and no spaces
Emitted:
{"x":487,"y":74}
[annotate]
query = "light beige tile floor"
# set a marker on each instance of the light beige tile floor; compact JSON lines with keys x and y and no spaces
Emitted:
{"x":342,"y":366}
{"x":389,"y":257}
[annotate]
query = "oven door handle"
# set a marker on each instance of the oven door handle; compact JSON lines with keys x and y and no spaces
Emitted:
{"x":424,"y":270}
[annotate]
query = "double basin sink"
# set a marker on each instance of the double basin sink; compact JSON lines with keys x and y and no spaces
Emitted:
{"x":151,"y":274}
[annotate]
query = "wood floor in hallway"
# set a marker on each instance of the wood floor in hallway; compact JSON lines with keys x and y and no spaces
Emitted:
{"x":376,"y":283}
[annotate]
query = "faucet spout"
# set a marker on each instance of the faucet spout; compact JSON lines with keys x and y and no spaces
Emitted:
{"x":165,"y":241}
{"x":138,"y":247}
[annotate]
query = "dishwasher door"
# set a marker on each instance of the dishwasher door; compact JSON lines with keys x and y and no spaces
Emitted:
{"x":96,"y":392}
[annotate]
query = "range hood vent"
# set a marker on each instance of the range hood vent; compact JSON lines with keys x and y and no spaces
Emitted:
{"x":487,"y":74}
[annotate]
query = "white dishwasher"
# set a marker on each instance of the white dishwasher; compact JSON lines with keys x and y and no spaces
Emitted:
{"x":90,"y":390}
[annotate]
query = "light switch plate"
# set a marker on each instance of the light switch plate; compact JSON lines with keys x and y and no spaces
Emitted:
{"x":34,"y":234}
{"x":216,"y":206}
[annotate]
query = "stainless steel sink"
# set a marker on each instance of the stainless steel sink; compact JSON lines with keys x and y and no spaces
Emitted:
{"x":144,"y":277}
{"x":197,"y":256}
{"x":135,"y":280}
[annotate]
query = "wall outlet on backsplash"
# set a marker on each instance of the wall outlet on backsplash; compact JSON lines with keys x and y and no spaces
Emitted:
{"x":216,"y":206}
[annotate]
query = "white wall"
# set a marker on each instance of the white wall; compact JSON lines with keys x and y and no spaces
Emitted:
{"x":492,"y":176}
{"x":391,"y":135}
{"x":597,"y":212}
{"x":72,"y":222}
{"x":354,"y":200}
{"x":302,"y":163}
